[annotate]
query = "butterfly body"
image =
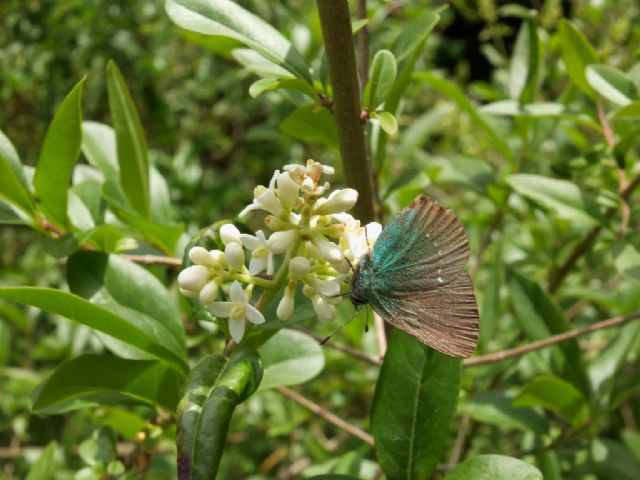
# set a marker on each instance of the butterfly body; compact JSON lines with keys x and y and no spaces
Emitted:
{"x":415,"y":278}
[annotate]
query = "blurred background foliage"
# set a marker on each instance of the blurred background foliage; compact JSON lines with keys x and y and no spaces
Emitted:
{"x":214,"y":143}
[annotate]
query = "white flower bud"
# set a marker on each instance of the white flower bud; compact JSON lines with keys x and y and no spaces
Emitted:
{"x":323,"y":309}
{"x":279,"y":242}
{"x":342,"y":266}
{"x":275,"y":223}
{"x":189,"y":293}
{"x":339,"y":201}
{"x":229,"y":233}
{"x":209,"y":292}
{"x":201,"y":256}
{"x":234,"y":255}
{"x":328,"y":250}
{"x":299,"y":266}
{"x":285,"y":306}
{"x":328,"y":288}
{"x":288,"y":190}
{"x":193,"y":278}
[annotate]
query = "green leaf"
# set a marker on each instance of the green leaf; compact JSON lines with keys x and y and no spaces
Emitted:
{"x":45,"y":467}
{"x":611,"y":461}
{"x":99,"y":147}
{"x":525,"y":63}
{"x":561,"y":196}
{"x":577,"y":54}
{"x":131,"y":143}
{"x":557,"y":395}
{"x":311,"y":125}
{"x":414,"y":402}
{"x":388,"y":122}
{"x":109,"y":279}
{"x":612,"y":84}
{"x":414,"y":34}
{"x":226,"y":18}
{"x":59,"y":153}
{"x":383,"y":75}
{"x":133,"y":330}
{"x":495,"y":408}
{"x":631,"y":440}
{"x":258,"y":87}
{"x":494,"y":467}
{"x":13,"y":183}
{"x":213,"y":389}
{"x":540,"y":318}
{"x":256,"y":63}
{"x":290,"y":358}
{"x":457,"y":95}
{"x":103,"y":379}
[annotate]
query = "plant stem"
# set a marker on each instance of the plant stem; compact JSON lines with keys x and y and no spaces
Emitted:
{"x":338,"y":42}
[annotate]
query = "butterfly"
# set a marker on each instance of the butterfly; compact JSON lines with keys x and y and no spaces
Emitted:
{"x":415,"y":278}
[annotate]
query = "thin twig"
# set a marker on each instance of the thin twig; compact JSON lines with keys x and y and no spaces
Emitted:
{"x":458,"y":445}
{"x":327,"y":415}
{"x":363,"y":45}
{"x":549,"y":341}
{"x":154,"y":260}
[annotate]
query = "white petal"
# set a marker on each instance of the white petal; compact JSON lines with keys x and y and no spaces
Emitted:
{"x":236,"y":329}
{"x":254,"y":315}
{"x":209,"y":292}
{"x":229,"y":233}
{"x":279,"y":242}
{"x":193,"y":278}
{"x":328,"y":288}
{"x":220,"y":309}
{"x":201,"y":256}
{"x":257,"y":264}
{"x":373,"y":229}
{"x":236,"y":294}
{"x":270,"y":263}
{"x":324,"y":310}
{"x":234,"y":254}
{"x":288,"y":190}
{"x":269,"y":202}
{"x":189,"y":293}
{"x":328,"y":250}
{"x":339,"y":201}
{"x":249,"y":241}
{"x":285,"y":306}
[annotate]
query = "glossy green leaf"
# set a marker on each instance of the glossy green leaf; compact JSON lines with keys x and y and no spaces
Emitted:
{"x":388,"y":122}
{"x":549,"y":464}
{"x":103,"y":379}
{"x":612,"y":84}
{"x":213,"y":389}
{"x":109,"y":279}
{"x":557,"y":395}
{"x":226,"y":18}
{"x":123,"y":421}
{"x":577,"y":54}
{"x":459,"y":98}
{"x":414,"y":34}
{"x":9,"y":215}
{"x":45,"y":467}
{"x":631,"y":440}
{"x":290,"y":358}
{"x":383,"y":74}
{"x":13,"y":183}
{"x":495,"y":408}
{"x":525,"y":63}
{"x":312,"y":125}
{"x":494,"y":467}
{"x":58,"y":155}
{"x":133,"y":330}
{"x":563,"y":197}
{"x":414,"y":403}
{"x":131,"y":143}
{"x":99,"y":147}
{"x":256,"y":63}
{"x":539,"y":317}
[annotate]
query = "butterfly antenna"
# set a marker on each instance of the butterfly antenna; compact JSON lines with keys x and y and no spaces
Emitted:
{"x":366,"y":237}
{"x":326,"y":339}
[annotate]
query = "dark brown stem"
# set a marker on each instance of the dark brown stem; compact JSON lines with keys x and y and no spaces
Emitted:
{"x":325,"y":414}
{"x":335,"y":21}
{"x":549,"y":341}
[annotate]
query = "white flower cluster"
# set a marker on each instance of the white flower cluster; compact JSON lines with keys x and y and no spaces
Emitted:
{"x":320,"y":244}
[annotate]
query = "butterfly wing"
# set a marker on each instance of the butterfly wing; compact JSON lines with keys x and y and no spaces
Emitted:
{"x":445,"y":318}
{"x":419,"y":283}
{"x":423,"y":247}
